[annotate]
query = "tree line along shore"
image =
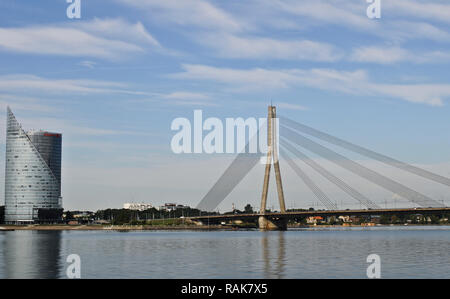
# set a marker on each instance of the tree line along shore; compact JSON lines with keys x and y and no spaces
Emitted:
{"x":160,"y":219}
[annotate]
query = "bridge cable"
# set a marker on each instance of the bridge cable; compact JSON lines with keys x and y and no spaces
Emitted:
{"x":232,"y":176}
{"x":365,"y":152}
{"x":360,"y":170}
{"x":330,"y":177}
{"x":324,"y":199}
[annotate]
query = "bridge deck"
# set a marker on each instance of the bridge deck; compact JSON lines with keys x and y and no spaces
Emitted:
{"x":326,"y":213}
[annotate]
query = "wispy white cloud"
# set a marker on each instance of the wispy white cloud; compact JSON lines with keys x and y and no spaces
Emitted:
{"x":186,"y":95}
{"x":430,"y":94}
{"x":402,"y":30}
{"x":25,"y":104}
{"x":234,"y":46}
{"x":430,"y":10}
{"x":384,"y":55}
{"x":389,"y":55}
{"x":75,"y":132}
{"x":189,"y":98}
{"x":23,"y":83}
{"x":230,"y":34}
{"x":258,"y":78}
{"x":178,"y":98}
{"x":88,"y":64}
{"x":289,"y":106}
{"x":240,"y":33}
{"x":339,"y":12}
{"x":119,"y":29}
{"x":351,"y":82}
{"x":198,"y":13}
{"x":106,"y":39}
{"x":70,"y":127}
{"x":413,"y":18}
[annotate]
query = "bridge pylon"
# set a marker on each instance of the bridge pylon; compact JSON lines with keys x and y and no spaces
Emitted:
{"x":272,"y":156}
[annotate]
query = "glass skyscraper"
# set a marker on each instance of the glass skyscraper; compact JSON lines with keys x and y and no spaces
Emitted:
{"x":33,"y":174}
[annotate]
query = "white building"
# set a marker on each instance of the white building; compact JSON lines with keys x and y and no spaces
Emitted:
{"x":169,"y":207}
{"x":137,"y":206}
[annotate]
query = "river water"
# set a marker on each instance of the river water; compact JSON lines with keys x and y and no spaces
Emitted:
{"x":405,"y":252}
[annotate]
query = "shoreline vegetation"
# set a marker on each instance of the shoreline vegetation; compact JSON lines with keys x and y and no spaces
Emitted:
{"x":180,"y":219}
{"x":59,"y":227}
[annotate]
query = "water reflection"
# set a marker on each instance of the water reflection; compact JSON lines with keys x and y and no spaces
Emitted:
{"x":274,"y":254}
{"x":31,"y":254}
{"x":406,"y":252}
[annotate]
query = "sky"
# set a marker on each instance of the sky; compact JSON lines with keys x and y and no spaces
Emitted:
{"x":113,"y":81}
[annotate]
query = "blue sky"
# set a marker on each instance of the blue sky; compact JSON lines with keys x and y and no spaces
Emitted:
{"x":113,"y":81}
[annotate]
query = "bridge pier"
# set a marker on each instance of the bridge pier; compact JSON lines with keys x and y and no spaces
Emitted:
{"x":272,"y":224}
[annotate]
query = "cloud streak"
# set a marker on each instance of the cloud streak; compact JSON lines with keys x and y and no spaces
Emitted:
{"x":233,"y":46}
{"x":391,"y":55}
{"x":187,"y":98}
{"x":24,"y":83}
{"x":350,"y":82}
{"x":437,"y":11}
{"x":110,"y":39}
{"x":197,"y":13}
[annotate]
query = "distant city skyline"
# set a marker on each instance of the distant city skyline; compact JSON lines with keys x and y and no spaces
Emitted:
{"x":115,"y":79}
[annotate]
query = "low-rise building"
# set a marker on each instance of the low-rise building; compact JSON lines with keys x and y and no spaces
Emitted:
{"x":169,"y":207}
{"x":314,"y":220}
{"x":345,"y":219}
{"x":137,"y":206}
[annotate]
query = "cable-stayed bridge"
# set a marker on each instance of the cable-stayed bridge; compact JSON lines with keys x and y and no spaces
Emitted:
{"x":294,"y":139}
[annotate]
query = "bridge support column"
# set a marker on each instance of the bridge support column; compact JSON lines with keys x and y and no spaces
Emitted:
{"x":272,"y":224}
{"x":272,"y":153}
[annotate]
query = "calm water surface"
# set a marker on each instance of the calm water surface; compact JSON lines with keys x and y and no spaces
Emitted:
{"x":406,"y":252}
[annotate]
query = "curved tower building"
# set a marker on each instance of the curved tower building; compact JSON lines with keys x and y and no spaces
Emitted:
{"x":33,"y":174}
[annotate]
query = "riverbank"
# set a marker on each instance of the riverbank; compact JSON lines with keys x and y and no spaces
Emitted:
{"x":112,"y":227}
{"x":168,"y":227}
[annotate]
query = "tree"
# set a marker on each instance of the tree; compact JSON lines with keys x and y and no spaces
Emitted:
{"x":69,"y":216}
{"x":248,"y":209}
{"x":434,"y":219}
{"x":384,"y":219}
{"x":50,"y":215}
